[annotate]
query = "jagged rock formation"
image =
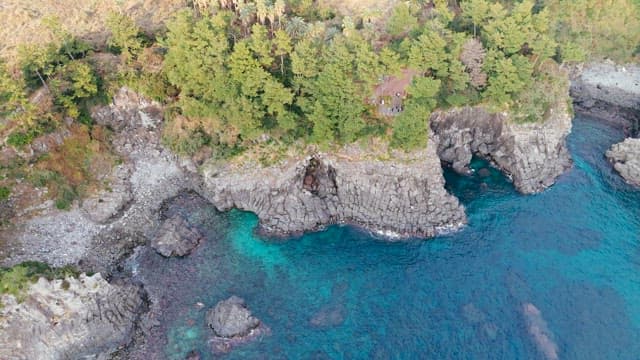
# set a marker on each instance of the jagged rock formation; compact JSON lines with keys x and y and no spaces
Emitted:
{"x":404,"y":195}
{"x":230,"y":318}
{"x":233,"y":325}
{"x":625,"y":157}
{"x":610,"y":92}
{"x":68,"y":319}
{"x":533,"y":154}
{"x":176,"y":237}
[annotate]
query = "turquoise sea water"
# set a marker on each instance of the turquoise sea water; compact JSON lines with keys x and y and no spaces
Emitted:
{"x":572,"y":251}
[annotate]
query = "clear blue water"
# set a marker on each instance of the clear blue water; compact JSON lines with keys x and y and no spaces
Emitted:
{"x":572,"y":251}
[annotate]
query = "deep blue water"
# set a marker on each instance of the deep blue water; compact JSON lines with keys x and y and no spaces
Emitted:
{"x":572,"y":251}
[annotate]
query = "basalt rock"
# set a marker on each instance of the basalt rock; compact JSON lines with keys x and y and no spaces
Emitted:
{"x":69,"y":319}
{"x":610,"y":92}
{"x":532,"y":154}
{"x":176,"y":237}
{"x":405,"y":195}
{"x":233,"y":325}
{"x":625,"y":157}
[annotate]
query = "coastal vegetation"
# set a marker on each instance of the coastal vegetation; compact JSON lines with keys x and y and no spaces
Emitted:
{"x":238,"y":75}
{"x":16,"y":280}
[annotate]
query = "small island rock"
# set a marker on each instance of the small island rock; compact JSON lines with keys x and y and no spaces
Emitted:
{"x":230,"y":318}
{"x":625,"y":157}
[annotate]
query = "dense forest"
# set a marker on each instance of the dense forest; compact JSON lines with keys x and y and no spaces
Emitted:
{"x":236,"y":74}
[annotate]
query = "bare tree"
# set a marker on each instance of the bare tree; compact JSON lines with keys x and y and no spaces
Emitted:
{"x":472,"y":56}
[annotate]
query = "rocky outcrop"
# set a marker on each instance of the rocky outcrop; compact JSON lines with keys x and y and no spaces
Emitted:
{"x":625,"y":157}
{"x":233,"y":324}
{"x":68,"y":319}
{"x":106,"y":205}
{"x":129,"y":110}
{"x":230,"y":318}
{"x":532,"y":154}
{"x":404,"y":195}
{"x":176,"y":237}
{"x":610,"y":92}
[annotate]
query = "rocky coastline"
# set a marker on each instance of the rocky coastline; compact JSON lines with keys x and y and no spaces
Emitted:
{"x":609,"y":92}
{"x":532,"y":154}
{"x":403,"y":194}
{"x":612,"y":93}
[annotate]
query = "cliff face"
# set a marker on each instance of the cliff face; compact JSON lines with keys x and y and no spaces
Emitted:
{"x":405,"y":196}
{"x":68,"y":319}
{"x":533,"y":154}
{"x":610,"y":92}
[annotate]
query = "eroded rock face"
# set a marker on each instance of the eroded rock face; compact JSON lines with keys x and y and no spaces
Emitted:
{"x":69,"y":319}
{"x":129,"y":110}
{"x":625,"y":157}
{"x":610,"y":92}
{"x":404,"y":195}
{"x":176,"y":237}
{"x":533,"y":154}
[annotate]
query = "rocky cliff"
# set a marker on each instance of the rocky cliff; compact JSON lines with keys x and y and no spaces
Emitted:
{"x":625,"y":157}
{"x":533,"y":154}
{"x":405,"y":195}
{"x":68,"y":319}
{"x":610,"y":92}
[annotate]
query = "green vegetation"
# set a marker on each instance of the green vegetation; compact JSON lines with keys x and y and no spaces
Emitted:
{"x":237,"y":75}
{"x":16,"y":280}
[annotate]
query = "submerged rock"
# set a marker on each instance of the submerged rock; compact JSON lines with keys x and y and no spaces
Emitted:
{"x":176,"y":237}
{"x":625,"y":157}
{"x":329,"y":316}
{"x":69,"y":319}
{"x":233,"y":324}
{"x":539,"y":331}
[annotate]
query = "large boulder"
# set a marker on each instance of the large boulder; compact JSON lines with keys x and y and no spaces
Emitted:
{"x":233,"y":325}
{"x":625,"y":157}
{"x":230,"y":318}
{"x":69,"y":319}
{"x":176,"y":237}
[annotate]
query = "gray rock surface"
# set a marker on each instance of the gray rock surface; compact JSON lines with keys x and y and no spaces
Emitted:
{"x":176,"y":237}
{"x":625,"y":157}
{"x":610,"y":92}
{"x":109,"y":204}
{"x":68,"y":319}
{"x":533,"y":154}
{"x":405,"y":196}
{"x":230,"y":318}
{"x":100,"y":232}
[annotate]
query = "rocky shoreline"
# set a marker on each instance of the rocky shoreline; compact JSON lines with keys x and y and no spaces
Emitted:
{"x":404,"y":195}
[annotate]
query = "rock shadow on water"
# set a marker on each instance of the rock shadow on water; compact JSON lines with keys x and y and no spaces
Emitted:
{"x":482,"y":179}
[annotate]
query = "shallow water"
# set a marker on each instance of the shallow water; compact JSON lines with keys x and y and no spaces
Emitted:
{"x":571,"y":251}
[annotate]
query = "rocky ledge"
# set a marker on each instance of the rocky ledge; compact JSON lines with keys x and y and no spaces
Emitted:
{"x":532,"y":154}
{"x":625,"y":157}
{"x":610,"y":92}
{"x":69,"y":319}
{"x":404,"y":196}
